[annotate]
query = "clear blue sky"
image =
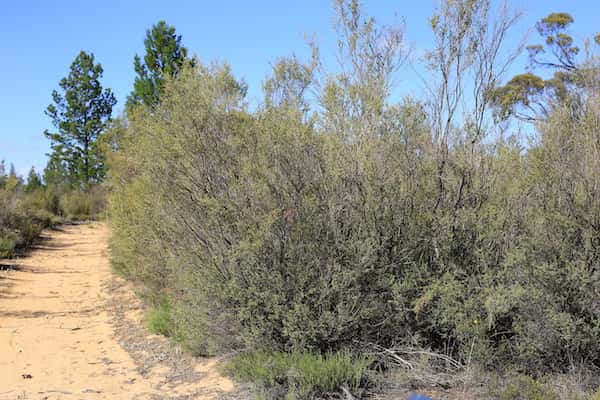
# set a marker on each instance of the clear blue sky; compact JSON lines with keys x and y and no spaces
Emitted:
{"x":39,"y":39}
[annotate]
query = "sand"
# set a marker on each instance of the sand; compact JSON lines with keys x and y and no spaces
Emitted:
{"x":71,"y":329}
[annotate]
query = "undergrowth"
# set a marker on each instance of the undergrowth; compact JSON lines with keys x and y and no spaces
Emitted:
{"x":301,"y":375}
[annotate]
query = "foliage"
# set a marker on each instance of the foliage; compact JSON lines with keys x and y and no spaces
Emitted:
{"x":28,"y":207}
{"x":76,"y":205}
{"x":529,"y":96}
{"x":159,"y":318}
{"x":21,"y":220}
{"x":522,"y":387}
{"x":165,"y":56}
{"x":300,"y":375}
{"x":313,"y":226}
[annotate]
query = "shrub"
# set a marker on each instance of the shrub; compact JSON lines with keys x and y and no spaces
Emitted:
{"x":300,"y":375}
{"x":159,"y":319}
{"x":271,"y":234}
{"x":20,"y":222}
{"x":8,"y":242}
{"x":24,"y":212}
{"x":361,"y":223}
{"x":78,"y":205}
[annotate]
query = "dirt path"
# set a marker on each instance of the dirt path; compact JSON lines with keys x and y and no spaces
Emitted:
{"x":69,"y":329}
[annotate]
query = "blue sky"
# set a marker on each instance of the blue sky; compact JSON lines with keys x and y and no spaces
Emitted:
{"x":39,"y":39}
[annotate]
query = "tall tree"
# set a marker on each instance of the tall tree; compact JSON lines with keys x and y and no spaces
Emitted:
{"x":164,"y":56}
{"x":80,"y":113}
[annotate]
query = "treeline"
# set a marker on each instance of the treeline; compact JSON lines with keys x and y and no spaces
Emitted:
{"x":29,"y":205}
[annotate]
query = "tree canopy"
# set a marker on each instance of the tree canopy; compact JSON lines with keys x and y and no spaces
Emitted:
{"x":164,"y":56}
{"x":529,"y":96}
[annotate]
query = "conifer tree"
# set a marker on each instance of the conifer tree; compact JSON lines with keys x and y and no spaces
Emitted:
{"x":165,"y":56}
{"x":80,"y":114}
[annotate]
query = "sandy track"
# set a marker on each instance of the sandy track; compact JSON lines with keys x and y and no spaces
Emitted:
{"x":69,"y":329}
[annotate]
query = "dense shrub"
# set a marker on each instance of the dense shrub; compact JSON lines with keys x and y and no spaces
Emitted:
{"x":299,"y":241}
{"x":361,"y":223}
{"x":273,"y":235}
{"x":517,"y":386}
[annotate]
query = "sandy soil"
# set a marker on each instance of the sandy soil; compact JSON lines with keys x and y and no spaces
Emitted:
{"x":70,"y":329}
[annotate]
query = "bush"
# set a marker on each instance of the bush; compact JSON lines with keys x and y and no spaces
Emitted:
{"x":159,"y":319}
{"x":361,"y":223}
{"x":8,"y":243}
{"x":20,"y":222}
{"x":87,"y":205}
{"x":270,"y":234}
{"x":300,"y":375}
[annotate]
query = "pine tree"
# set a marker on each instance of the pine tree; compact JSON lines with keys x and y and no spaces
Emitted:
{"x":80,"y":113}
{"x":165,"y":56}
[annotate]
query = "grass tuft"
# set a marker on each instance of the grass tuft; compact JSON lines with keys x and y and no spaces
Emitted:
{"x":159,"y":319}
{"x":300,"y":375}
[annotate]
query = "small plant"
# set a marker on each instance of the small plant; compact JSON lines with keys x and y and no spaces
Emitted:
{"x":300,"y":375}
{"x":159,"y":319}
{"x":522,"y":387}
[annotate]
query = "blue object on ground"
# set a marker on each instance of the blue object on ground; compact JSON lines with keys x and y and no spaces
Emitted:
{"x":417,"y":396}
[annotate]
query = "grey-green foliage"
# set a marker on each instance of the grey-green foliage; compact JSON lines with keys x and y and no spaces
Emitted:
{"x":267,"y":230}
{"x":295,"y":375}
{"x":34,"y":181}
{"x":517,"y":387}
{"x":279,"y":236}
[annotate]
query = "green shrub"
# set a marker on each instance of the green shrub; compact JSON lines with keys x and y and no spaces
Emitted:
{"x":20,"y":222}
{"x":276,"y":235}
{"x":159,"y":319}
{"x":8,"y":242}
{"x":300,"y":375}
{"x":23,"y":215}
